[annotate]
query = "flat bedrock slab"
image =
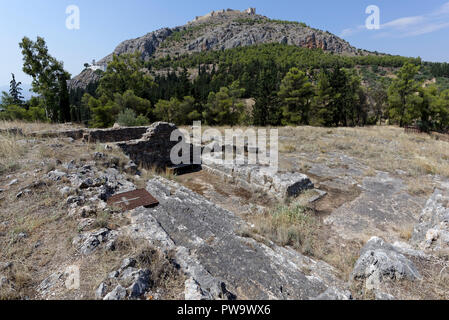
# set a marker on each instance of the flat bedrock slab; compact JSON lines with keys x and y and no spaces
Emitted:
{"x":382,"y":207}
{"x":221,"y":264}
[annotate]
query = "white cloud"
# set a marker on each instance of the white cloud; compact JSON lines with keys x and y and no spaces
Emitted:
{"x":409,"y":26}
{"x":444,"y":9}
{"x":403,"y":23}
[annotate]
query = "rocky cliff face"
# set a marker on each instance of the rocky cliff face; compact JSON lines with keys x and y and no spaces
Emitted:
{"x":221,"y":32}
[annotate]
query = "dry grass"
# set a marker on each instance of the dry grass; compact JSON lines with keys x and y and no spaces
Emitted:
{"x":293,"y":226}
{"x":29,"y":127}
{"x":11,"y":151}
{"x":298,"y":226}
{"x":406,"y":233}
{"x":287,"y":148}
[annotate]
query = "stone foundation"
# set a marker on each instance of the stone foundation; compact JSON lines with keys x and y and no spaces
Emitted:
{"x":256,"y":177}
{"x":114,"y":134}
{"x":153,"y":149}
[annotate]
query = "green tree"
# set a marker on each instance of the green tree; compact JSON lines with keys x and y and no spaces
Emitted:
{"x":166,"y":110}
{"x":341,"y":99}
{"x":104,"y":111}
{"x":129,"y":118}
{"x":402,"y":94}
{"x":128,"y":100}
{"x":441,"y":111}
{"x":49,"y":78}
{"x":15,"y":91}
{"x":325,"y":108}
{"x":6,"y":99}
{"x":296,"y":93}
{"x":379,"y":96}
{"x":176,"y":111}
{"x":125,"y":72}
{"x":224,"y":107}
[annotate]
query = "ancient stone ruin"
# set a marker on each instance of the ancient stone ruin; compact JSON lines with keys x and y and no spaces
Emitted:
{"x":249,"y":11}
{"x":150,"y":147}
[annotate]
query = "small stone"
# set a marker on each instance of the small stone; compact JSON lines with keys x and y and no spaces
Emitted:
{"x":87,"y":183}
{"x":99,"y":155}
{"x":22,"y":235}
{"x":69,"y":165}
{"x":119,"y":293}
{"x":101,"y":291}
{"x":23,"y":193}
{"x":128,"y":262}
{"x":432,"y":235}
{"x":78,"y":200}
{"x":5,"y":265}
{"x":85,"y":224}
{"x":56,"y":175}
{"x":66,"y":190}
{"x":12,"y":182}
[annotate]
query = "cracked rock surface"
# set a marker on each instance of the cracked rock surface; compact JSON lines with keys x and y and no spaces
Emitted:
{"x":218,"y":262}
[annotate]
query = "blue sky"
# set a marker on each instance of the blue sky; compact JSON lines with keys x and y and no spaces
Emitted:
{"x":408,"y":27}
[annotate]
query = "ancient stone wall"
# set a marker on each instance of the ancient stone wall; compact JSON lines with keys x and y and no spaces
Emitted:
{"x":114,"y":134}
{"x":153,"y":149}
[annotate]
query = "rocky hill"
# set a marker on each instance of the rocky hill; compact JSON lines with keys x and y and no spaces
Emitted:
{"x":221,"y":30}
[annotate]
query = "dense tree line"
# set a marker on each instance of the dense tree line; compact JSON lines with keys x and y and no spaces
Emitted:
{"x":439,"y":69}
{"x":287,"y":86}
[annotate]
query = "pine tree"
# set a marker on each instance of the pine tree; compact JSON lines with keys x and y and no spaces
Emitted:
{"x":296,"y":93}
{"x":402,"y":94}
{"x":15,"y":91}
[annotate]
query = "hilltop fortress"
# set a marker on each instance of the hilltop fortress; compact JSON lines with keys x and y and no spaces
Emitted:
{"x":223,"y":12}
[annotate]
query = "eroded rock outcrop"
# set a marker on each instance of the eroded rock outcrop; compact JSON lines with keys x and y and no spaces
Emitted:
{"x":220,"y":264}
{"x":256,"y":177}
{"x":379,"y":261}
{"x":432,"y":231}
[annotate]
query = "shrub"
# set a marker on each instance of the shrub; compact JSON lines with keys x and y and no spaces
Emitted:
{"x":128,"y":118}
{"x":14,"y":112}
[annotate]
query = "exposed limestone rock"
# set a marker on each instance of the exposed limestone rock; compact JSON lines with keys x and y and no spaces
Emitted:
{"x":383,"y":204}
{"x":84,"y":79}
{"x":193,"y":291}
{"x":210,"y":252}
{"x":253,"y":177}
{"x":432,"y":231}
{"x":119,"y":293}
{"x":380,"y":261}
{"x":101,"y":291}
{"x":89,"y":241}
